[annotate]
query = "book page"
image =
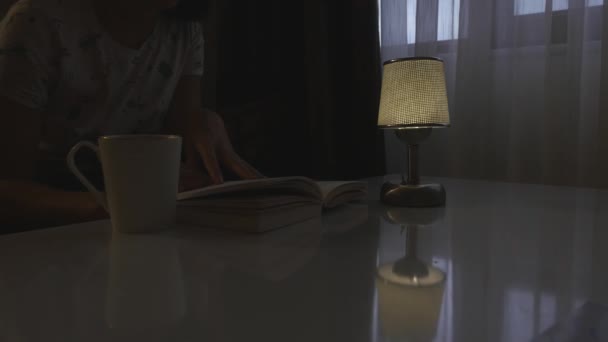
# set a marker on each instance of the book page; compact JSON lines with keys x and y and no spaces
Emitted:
{"x":345,"y":217}
{"x":300,"y":185}
{"x":245,"y":204}
{"x":338,"y":192}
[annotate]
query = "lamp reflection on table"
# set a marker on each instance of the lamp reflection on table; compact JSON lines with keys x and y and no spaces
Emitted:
{"x":410,"y":291}
{"x":145,"y":294}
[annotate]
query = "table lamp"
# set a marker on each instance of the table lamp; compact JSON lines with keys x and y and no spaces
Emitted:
{"x":413,"y":102}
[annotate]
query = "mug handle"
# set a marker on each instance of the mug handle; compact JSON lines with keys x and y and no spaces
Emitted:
{"x":99,"y":196}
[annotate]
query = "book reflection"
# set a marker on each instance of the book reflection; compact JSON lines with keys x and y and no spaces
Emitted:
{"x":272,"y":255}
{"x":345,"y":218}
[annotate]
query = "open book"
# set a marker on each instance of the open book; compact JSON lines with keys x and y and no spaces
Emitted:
{"x":264,"y":204}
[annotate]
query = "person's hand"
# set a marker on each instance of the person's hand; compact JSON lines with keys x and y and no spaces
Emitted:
{"x":192,"y":177}
{"x":207,"y":140}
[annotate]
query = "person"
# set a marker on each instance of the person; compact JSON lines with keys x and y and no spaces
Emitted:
{"x":72,"y":70}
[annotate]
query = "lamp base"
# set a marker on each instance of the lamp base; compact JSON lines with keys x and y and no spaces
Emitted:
{"x":407,"y":195}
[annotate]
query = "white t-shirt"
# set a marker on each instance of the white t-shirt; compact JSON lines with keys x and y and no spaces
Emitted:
{"x":55,"y":57}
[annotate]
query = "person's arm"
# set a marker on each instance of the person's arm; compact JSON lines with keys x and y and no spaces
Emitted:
{"x":205,"y":137}
{"x":28,"y":48}
{"x":25,"y":204}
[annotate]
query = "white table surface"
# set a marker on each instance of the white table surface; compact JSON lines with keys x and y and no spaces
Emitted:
{"x":518,"y":259}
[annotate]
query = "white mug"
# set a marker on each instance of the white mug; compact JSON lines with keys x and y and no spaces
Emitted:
{"x":141,"y":174}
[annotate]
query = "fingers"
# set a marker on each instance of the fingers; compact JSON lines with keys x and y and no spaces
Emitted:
{"x":214,"y":146}
{"x":192,"y":178}
{"x":240,"y":167}
{"x":211,"y":163}
{"x":193,"y":159}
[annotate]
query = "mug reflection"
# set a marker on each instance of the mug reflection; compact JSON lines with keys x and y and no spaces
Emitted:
{"x":145,"y":294}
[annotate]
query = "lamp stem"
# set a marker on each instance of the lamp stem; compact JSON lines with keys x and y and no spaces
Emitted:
{"x":413,"y":176}
{"x":411,"y":237}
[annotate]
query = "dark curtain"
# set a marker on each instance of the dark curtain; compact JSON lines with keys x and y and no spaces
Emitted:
{"x":298,"y":84}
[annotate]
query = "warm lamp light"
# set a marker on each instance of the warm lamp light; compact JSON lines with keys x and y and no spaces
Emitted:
{"x":413,"y":102}
{"x":409,"y":313}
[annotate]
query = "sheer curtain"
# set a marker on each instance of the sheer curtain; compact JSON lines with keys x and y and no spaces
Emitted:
{"x":527,"y":82}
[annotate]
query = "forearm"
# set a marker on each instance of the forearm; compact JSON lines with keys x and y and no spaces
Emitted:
{"x":180,"y":120}
{"x":28,"y":205}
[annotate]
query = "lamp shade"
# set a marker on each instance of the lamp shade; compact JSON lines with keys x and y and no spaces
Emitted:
{"x":414,"y":94}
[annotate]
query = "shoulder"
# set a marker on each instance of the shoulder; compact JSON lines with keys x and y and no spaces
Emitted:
{"x":48,"y":7}
{"x":49,"y":10}
{"x":25,"y":22}
{"x":26,"y":9}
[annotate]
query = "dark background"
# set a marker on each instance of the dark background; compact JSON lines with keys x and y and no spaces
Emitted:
{"x":298,"y":84}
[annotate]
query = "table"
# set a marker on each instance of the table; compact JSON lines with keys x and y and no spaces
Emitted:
{"x":518,"y":260}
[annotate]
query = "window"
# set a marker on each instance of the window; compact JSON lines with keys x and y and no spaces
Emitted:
{"x":411,"y":21}
{"x":448,"y":19}
{"x":523,"y":7}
